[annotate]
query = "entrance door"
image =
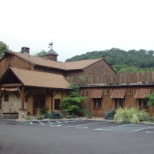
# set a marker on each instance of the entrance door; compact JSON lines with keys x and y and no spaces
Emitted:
{"x":38,"y":102}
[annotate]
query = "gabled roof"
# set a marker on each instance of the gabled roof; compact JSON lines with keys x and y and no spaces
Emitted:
{"x":76,"y":65}
{"x":39,"y":79}
{"x":40,"y":61}
{"x":80,"y":64}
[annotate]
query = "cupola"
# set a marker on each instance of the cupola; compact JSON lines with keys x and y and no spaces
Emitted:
{"x":51,"y":54}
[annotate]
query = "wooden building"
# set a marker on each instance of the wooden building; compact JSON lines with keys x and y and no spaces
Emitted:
{"x":101,"y":99}
{"x":28,"y":82}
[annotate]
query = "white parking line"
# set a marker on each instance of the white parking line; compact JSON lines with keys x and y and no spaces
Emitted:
{"x":41,"y":123}
{"x":150,"y":132}
{"x":55,"y":125}
{"x":126,"y":128}
{"x":86,"y":124}
{"x":129,"y":128}
{"x":50,"y":122}
{"x":27,"y":122}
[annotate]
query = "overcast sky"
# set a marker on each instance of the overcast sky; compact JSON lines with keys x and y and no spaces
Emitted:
{"x":77,"y":26}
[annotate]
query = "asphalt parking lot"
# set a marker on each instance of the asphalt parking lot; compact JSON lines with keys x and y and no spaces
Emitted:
{"x":75,"y":137}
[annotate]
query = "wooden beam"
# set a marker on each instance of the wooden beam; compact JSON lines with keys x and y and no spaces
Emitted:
{"x":20,"y":92}
{"x":55,"y":93}
{"x":11,"y":85}
{"x":16,"y":94}
{"x":1,"y":93}
{"x":23,"y":97}
{"x":51,"y":95}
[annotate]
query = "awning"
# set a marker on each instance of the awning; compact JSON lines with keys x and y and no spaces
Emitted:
{"x":141,"y":93}
{"x":120,"y":93}
{"x":96,"y":94}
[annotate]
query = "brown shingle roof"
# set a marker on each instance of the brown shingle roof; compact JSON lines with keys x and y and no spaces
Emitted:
{"x":41,"y":79}
{"x":80,"y":64}
{"x":41,"y":61}
{"x":55,"y":64}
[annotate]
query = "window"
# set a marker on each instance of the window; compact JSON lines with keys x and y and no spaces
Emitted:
{"x":143,"y":103}
{"x":6,"y":97}
{"x":119,"y":103}
{"x":97,"y":102}
{"x":57,"y":104}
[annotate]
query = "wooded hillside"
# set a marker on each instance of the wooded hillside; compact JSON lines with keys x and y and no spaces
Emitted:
{"x":122,"y":61}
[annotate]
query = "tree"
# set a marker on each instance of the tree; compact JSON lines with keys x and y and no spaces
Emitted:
{"x":73,"y":103}
{"x":135,"y":60}
{"x":3,"y":48}
{"x":41,"y":53}
{"x":150,"y":99}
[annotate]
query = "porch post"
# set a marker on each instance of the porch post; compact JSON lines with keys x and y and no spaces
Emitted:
{"x":0,"y":97}
{"x":23,"y":97}
{"x":51,"y":94}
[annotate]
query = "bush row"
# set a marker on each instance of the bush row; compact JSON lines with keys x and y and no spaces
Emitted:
{"x":127,"y":115}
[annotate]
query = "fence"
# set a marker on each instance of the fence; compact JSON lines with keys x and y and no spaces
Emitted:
{"x":118,"y":79}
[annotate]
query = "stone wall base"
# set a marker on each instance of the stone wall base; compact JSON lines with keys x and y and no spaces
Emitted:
{"x":10,"y":115}
{"x":22,"y":114}
{"x":1,"y":113}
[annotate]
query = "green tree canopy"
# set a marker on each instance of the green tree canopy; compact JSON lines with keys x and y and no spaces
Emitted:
{"x":41,"y":53}
{"x":72,"y":103}
{"x":150,"y":99}
{"x":122,"y":61}
{"x":3,"y":48}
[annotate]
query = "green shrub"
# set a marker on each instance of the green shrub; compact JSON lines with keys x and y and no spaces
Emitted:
{"x":152,"y":118}
{"x":71,"y":116}
{"x":55,"y":115}
{"x":39,"y":115}
{"x":28,"y":117}
{"x":150,"y":98}
{"x":44,"y":111}
{"x":130,"y":115}
{"x":110,"y":115}
{"x":86,"y":113}
{"x":73,"y":103}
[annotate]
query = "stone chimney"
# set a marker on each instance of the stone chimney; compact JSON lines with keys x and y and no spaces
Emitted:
{"x":25,"y":50}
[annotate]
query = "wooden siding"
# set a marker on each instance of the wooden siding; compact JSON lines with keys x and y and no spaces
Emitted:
{"x":108,"y":103}
{"x":95,"y":73}
{"x":74,"y":73}
{"x":99,"y":68}
{"x":100,"y":78}
{"x":13,"y":61}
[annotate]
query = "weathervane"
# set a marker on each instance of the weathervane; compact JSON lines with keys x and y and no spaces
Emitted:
{"x":50,"y":45}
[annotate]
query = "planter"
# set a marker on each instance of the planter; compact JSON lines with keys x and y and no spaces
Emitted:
{"x":22,"y":114}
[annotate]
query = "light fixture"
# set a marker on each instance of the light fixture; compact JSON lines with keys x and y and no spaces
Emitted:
{"x":130,"y":92}
{"x":107,"y":92}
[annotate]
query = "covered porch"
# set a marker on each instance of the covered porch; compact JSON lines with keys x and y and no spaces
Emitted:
{"x":27,"y":91}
